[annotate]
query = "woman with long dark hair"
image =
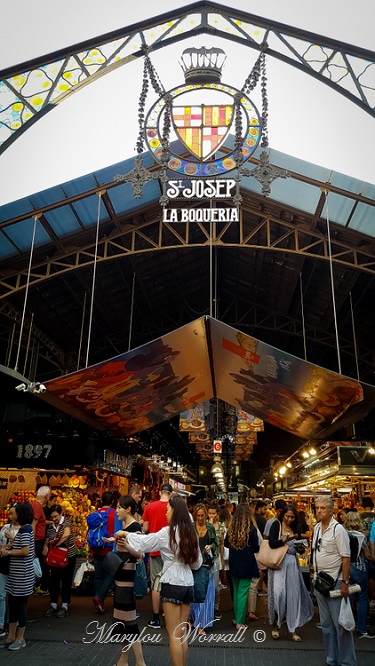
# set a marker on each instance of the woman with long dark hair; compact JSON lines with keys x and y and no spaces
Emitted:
{"x":178,"y":545}
{"x":20,"y":581}
{"x":242,"y":541}
{"x":288,"y":598}
{"x":124,"y":607}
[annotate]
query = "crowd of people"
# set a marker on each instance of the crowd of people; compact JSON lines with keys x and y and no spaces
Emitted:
{"x":177,"y":539}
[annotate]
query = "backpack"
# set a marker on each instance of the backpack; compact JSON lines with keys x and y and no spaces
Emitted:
{"x":354,"y":547}
{"x":97,"y":523}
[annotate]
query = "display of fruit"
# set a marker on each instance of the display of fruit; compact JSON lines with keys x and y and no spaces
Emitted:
{"x":76,"y":505}
{"x":17,"y":498}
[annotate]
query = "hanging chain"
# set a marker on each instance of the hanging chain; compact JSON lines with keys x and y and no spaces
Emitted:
{"x":141,"y":110}
{"x":257,"y":73}
{"x":263,"y":87}
{"x":149,"y":74}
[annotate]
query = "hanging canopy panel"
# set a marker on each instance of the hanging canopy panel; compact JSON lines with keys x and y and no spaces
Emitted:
{"x":204,"y":359}
{"x":283,"y":390}
{"x":142,"y":387}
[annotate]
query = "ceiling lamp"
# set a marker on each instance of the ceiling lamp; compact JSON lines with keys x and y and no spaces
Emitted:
{"x":289,"y":465}
{"x":216,"y":467}
{"x":305,"y":454}
{"x":312,"y":452}
{"x":371,"y":450}
{"x":282,"y":470}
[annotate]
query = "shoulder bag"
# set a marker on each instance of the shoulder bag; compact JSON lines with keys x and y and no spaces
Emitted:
{"x":157,"y":582}
{"x":201,"y":577}
{"x":57,"y":557}
{"x":323,"y":582}
{"x":272,"y":558}
{"x":112,"y":561}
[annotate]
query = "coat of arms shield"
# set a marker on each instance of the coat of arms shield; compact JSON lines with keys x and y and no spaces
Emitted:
{"x":204,"y":128}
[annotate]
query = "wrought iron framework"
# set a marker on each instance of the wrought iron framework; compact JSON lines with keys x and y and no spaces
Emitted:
{"x":31,"y":89}
{"x":256,"y":230}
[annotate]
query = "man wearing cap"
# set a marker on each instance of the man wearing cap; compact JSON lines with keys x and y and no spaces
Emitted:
{"x":154,"y":518}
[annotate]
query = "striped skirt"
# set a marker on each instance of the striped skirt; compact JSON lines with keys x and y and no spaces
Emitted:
{"x":202,"y":615}
{"x":124,"y":610}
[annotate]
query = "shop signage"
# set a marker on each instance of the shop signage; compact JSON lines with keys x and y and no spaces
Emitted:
{"x":33,"y":451}
{"x":176,"y":485}
{"x":218,"y":446}
{"x":201,"y":189}
{"x":37,"y":450}
{"x":358,"y":458}
{"x":114,"y":462}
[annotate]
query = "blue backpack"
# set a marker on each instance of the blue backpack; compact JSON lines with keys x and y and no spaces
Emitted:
{"x":97,"y":523}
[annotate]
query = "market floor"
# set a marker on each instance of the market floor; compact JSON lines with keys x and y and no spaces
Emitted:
{"x":74,"y":640}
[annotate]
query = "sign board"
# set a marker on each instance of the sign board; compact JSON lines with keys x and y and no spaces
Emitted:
{"x":218,"y":446}
{"x":355,"y":460}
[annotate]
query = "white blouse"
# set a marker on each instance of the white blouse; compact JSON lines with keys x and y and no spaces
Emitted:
{"x":174,"y":571}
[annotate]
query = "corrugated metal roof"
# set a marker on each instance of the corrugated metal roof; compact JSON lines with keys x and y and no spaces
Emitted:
{"x":66,"y":217}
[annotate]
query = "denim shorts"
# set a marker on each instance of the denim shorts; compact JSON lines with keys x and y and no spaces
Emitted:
{"x":177,"y":594}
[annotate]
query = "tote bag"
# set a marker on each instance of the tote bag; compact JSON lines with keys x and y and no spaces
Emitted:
{"x":272,"y":558}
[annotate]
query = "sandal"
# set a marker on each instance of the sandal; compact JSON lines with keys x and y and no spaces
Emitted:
{"x":252,"y":617}
{"x":275,"y":634}
{"x":294,"y":637}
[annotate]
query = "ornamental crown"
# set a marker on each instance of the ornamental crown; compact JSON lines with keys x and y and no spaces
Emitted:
{"x":202,"y":65}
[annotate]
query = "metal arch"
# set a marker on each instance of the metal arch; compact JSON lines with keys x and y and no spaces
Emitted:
{"x":31,"y":89}
{"x":267,"y":233}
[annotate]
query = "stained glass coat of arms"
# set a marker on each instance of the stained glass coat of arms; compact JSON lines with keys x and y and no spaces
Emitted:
{"x":202,"y":128}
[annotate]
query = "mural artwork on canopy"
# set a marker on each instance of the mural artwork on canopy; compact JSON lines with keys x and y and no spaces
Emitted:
{"x":286,"y":391}
{"x":203,"y":445}
{"x":193,"y":420}
{"x":150,"y":384}
{"x":145,"y":386}
{"x":248,"y":423}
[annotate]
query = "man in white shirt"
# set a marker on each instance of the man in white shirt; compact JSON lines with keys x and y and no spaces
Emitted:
{"x":331,"y":554}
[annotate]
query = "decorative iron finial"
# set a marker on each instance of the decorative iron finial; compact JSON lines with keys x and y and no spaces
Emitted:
{"x":265,"y":173}
{"x":202,"y":65}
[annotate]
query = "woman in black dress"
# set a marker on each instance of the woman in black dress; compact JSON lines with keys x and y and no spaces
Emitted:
{"x":124,"y":610}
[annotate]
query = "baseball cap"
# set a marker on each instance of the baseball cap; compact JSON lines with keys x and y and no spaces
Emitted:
{"x":167,"y":488}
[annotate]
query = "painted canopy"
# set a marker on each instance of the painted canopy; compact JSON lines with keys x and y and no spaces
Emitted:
{"x":205,"y":359}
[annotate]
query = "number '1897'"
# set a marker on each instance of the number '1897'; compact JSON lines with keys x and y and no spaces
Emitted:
{"x":33,"y":450}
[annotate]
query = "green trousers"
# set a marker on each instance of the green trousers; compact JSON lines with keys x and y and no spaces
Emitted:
{"x":240,"y":593}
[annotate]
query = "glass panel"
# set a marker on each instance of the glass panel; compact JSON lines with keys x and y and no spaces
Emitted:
{"x":63,"y":221}
{"x":21,"y":234}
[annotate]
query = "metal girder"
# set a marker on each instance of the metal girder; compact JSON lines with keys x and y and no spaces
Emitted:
{"x":31,"y":89}
{"x":52,"y":349}
{"x":256,"y":230}
{"x":250,"y":317}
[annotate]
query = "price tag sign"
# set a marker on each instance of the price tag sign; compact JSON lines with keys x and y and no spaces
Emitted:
{"x":218,"y":446}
